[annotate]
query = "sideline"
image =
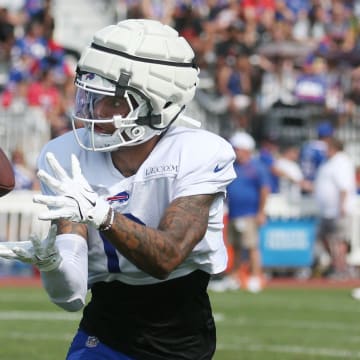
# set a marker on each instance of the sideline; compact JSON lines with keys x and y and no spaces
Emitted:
{"x":293,"y":349}
{"x":278,"y":283}
{"x":20,"y":281}
{"x":39,"y":315}
{"x":317,"y":283}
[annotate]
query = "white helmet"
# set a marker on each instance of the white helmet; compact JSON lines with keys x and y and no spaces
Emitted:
{"x":149,"y":65}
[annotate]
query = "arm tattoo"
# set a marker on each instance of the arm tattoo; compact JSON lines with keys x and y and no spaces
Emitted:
{"x":159,"y":251}
{"x":68,"y":227}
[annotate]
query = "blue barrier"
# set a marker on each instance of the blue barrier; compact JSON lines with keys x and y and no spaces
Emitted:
{"x":288,"y":243}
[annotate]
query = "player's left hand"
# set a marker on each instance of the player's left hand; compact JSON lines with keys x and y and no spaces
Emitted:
{"x":43,"y":254}
{"x":75,"y":199}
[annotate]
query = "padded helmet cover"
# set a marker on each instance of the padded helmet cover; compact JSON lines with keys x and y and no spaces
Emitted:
{"x":158,"y":61}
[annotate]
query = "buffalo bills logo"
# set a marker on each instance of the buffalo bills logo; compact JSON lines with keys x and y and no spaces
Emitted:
{"x":89,"y":76}
{"x":121,"y":197}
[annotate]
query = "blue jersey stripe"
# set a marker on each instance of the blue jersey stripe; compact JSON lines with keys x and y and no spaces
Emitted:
{"x":111,"y":256}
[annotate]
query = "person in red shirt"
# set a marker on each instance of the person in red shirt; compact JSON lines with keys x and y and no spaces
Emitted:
{"x":44,"y":92}
{"x":259,"y":11}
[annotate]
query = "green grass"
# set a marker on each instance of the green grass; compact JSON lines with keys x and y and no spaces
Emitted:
{"x":287,"y":325}
{"x":278,"y":324}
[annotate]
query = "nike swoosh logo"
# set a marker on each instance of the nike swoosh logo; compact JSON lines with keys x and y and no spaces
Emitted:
{"x":218,"y":168}
{"x":90,"y":192}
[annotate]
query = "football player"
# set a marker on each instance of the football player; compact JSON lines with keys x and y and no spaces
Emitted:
{"x":136,"y":201}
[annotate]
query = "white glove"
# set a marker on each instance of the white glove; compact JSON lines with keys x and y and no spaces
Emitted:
{"x":76,"y":200}
{"x":41,"y":253}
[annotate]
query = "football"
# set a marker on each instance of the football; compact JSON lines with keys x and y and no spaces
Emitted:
{"x":7,"y":178}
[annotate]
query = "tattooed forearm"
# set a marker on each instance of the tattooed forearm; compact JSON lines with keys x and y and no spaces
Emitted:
{"x":159,"y":251}
{"x":68,"y":227}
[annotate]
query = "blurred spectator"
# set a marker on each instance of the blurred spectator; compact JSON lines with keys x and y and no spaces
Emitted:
{"x":188,"y":23}
{"x":311,"y":85}
{"x":318,"y":18}
{"x":268,"y":153}
{"x":280,"y":32}
{"x":314,"y":152}
{"x":33,"y":44}
{"x":7,"y":38}
{"x":310,"y":22}
{"x":233,"y":42}
{"x":335,"y":191}
{"x":247,"y":196}
{"x":357,"y":177}
{"x":34,"y":7}
{"x":158,"y":10}
{"x":259,"y":11}
{"x":234,"y":81}
{"x":292,"y":181}
{"x":14,"y":97}
{"x":45,"y":94}
{"x":301,"y":28}
{"x":25,"y":177}
{"x":340,"y":34}
{"x":352,"y":96}
{"x":278,"y":84}
{"x":283,"y":12}
{"x":296,"y":7}
{"x":225,"y":13}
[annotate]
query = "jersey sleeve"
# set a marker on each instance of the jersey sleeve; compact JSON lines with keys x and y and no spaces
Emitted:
{"x":43,"y":165}
{"x":62,"y":147}
{"x":206,"y":168}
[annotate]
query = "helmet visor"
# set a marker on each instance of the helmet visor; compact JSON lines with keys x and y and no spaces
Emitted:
{"x":110,"y":113}
{"x":95,"y":106}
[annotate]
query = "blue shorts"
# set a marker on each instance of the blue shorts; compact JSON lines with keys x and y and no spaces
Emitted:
{"x":85,"y":347}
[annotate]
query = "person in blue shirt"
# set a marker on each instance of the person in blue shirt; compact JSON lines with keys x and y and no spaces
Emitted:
{"x":267,"y":154}
{"x":313,"y":152}
{"x":246,"y":199}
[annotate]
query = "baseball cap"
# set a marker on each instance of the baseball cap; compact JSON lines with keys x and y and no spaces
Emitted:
{"x":325,"y":129}
{"x":242,"y":140}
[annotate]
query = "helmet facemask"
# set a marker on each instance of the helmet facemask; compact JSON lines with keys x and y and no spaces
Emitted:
{"x":131,"y":128}
{"x":146,"y":63}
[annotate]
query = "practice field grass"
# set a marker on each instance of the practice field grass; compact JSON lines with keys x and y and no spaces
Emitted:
{"x":278,"y":324}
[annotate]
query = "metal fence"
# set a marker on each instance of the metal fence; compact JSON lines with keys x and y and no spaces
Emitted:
{"x":19,"y":217}
{"x":24,"y":128}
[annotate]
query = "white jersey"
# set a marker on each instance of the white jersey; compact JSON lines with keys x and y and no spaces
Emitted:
{"x":289,"y":185}
{"x":335,"y":175}
{"x":184,"y":162}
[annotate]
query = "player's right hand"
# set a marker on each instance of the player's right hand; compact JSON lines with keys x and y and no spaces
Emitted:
{"x":74,"y":198}
{"x":43,"y":254}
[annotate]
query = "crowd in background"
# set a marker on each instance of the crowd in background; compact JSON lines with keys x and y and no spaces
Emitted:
{"x":325,"y":174}
{"x":255,"y":56}
{"x":259,"y":54}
